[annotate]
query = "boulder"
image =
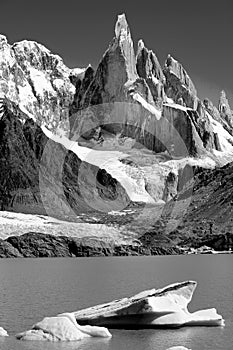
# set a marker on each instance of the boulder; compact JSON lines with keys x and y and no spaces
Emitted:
{"x":166,"y":307}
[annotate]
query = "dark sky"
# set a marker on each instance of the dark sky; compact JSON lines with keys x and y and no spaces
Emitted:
{"x":199,"y":33}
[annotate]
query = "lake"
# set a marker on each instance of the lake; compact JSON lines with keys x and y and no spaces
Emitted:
{"x":31,"y":289}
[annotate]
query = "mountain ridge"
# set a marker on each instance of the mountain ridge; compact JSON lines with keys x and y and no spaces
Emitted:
{"x":121,"y":134}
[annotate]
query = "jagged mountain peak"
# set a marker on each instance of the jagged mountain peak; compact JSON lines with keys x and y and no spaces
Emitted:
{"x":123,"y":42}
{"x":177,"y":68}
{"x":151,"y":62}
{"x":179,"y":85}
{"x":121,"y":27}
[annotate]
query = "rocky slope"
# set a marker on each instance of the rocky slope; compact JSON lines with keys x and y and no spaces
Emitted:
{"x":210,"y":211}
{"x":78,"y":141}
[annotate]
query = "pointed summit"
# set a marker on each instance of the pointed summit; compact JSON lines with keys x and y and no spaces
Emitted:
{"x":117,"y":67}
{"x":147,"y":63}
{"x":124,"y":42}
{"x":121,"y":27}
{"x":148,"y":68}
{"x":178,"y":83}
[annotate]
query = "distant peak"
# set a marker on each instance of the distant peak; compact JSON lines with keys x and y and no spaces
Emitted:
{"x":30,"y":45}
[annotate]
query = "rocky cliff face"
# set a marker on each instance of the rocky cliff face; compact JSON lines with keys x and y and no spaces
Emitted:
{"x":39,"y":175}
{"x":148,"y":68}
{"x":130,"y":108}
{"x":179,"y":87}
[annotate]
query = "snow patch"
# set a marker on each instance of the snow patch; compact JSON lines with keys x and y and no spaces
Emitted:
{"x":147,"y":105}
{"x":155,"y":80}
{"x":177,"y":106}
{"x":77,"y":71}
{"x":40,"y":81}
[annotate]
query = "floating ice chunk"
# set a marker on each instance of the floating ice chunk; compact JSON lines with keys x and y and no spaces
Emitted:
{"x":178,"y":348}
{"x":62,"y":328}
{"x":3,"y":332}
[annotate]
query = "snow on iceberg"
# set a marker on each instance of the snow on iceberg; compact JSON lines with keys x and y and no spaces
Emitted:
{"x":166,"y":307}
{"x":62,"y":328}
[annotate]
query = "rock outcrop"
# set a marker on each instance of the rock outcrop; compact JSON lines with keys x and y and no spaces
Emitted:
{"x":165,"y":307}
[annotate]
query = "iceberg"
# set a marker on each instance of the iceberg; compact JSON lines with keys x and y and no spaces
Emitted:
{"x":178,"y":348}
{"x":3,"y":332}
{"x":62,"y":327}
{"x":165,"y":307}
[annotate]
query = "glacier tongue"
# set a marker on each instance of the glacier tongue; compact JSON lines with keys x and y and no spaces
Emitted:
{"x":134,"y":184}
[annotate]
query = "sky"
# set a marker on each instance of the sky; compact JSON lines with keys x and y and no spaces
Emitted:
{"x":198,"y":33}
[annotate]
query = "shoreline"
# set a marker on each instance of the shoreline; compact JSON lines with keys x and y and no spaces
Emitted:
{"x":41,"y":245}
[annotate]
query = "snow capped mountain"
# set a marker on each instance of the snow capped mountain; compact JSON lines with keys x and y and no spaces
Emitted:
{"x":37,"y":81}
{"x":133,"y":122}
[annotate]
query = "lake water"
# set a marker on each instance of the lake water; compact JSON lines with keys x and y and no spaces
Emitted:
{"x":31,"y":289}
